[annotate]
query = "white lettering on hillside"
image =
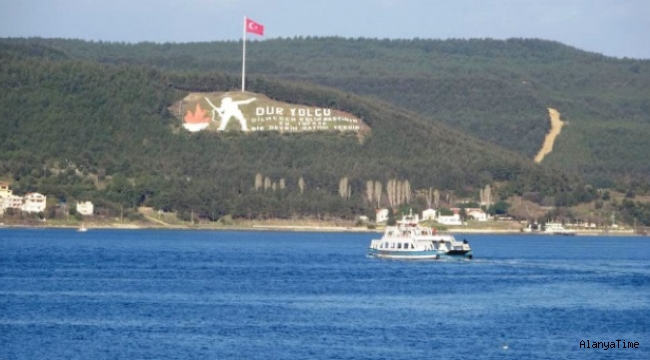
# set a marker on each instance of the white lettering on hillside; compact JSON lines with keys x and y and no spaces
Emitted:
{"x":274,"y":118}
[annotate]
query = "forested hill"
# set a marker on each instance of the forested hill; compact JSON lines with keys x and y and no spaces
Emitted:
{"x":80,"y":129}
{"x":499,"y":91}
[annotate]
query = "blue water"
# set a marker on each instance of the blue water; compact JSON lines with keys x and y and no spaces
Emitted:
{"x":154,"y":294}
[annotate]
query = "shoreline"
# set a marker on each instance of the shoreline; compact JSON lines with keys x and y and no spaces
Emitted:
{"x":299,"y":228}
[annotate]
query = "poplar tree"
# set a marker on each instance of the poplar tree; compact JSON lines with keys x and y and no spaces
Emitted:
{"x":301,"y":185}
{"x":378,"y":191}
{"x":369,"y":190}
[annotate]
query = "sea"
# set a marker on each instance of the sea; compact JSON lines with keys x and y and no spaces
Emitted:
{"x":192,"y":294}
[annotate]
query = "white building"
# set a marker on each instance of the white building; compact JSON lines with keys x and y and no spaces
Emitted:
{"x":454,"y":219}
{"x":5,"y":191}
{"x":429,"y":214}
{"x":381,"y":216}
{"x":477,"y":214}
{"x":34,"y":203}
{"x":85,"y":207}
{"x":11,"y":202}
{"x":8,"y":200}
{"x":450,"y":219}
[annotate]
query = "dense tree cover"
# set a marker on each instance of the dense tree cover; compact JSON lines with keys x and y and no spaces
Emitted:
{"x":498,"y":91}
{"x":635,"y":212}
{"x":82,"y":130}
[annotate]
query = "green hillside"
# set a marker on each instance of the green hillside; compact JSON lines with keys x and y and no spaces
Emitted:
{"x":80,"y":129}
{"x":498,"y":91}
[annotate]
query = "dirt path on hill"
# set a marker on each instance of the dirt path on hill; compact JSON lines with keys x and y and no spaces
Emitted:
{"x":556,"y":127}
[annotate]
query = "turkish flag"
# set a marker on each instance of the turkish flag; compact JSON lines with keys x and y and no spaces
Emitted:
{"x":253,"y":27}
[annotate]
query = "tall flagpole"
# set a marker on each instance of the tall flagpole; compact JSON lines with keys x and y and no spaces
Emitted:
{"x":243,"y":64}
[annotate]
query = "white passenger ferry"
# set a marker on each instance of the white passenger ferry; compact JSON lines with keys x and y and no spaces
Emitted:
{"x":409,"y":240}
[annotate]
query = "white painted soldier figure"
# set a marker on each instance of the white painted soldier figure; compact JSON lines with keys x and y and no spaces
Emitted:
{"x":229,"y":109}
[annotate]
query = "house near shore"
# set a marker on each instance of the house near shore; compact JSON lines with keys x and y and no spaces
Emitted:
{"x":85,"y":208}
{"x":13,"y":202}
{"x":429,"y":214}
{"x":5,"y":190}
{"x":5,"y":197}
{"x":30,"y":203}
{"x":34,"y":203}
{"x":381,"y":216}
{"x":477,"y":214}
{"x":450,"y":219}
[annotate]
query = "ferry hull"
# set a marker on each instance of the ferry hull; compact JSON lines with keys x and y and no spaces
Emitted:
{"x":421,"y":255}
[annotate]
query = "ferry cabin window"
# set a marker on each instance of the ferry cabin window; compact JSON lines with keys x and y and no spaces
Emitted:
{"x":399,"y":245}
{"x":392,"y":245}
{"x":406,"y":245}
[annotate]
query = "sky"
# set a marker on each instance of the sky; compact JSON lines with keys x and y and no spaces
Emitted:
{"x":618,"y":28}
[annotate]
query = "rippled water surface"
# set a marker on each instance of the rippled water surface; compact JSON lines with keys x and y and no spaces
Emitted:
{"x":153,"y":294}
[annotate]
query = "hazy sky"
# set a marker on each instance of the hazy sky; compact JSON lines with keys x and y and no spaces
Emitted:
{"x":618,"y":28}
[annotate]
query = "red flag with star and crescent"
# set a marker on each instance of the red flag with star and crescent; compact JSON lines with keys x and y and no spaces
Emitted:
{"x":254,"y":27}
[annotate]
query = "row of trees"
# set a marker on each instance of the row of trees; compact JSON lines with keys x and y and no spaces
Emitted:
{"x":199,"y":198}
